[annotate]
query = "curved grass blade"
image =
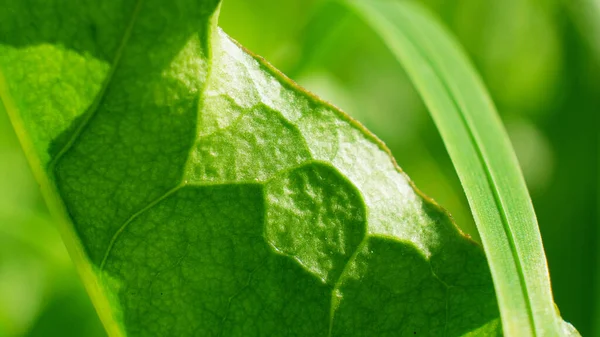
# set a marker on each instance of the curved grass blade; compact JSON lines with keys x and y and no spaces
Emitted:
{"x":483,"y":157}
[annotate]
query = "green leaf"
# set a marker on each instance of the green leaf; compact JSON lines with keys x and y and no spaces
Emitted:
{"x":484,"y":161}
{"x":202,"y":193}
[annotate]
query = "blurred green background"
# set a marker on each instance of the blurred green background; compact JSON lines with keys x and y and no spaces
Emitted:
{"x":539,"y":58}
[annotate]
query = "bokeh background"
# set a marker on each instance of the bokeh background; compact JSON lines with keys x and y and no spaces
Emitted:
{"x":539,"y":58}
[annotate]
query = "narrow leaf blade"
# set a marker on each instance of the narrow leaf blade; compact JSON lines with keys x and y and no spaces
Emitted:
{"x":483,"y":157}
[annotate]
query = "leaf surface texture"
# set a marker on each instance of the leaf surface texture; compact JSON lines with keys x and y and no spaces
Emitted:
{"x":202,"y":193}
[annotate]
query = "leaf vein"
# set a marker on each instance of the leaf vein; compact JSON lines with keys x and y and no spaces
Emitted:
{"x":122,"y":228}
{"x":93,"y":109}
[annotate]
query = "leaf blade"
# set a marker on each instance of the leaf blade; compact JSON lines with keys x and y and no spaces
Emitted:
{"x":209,"y":194}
